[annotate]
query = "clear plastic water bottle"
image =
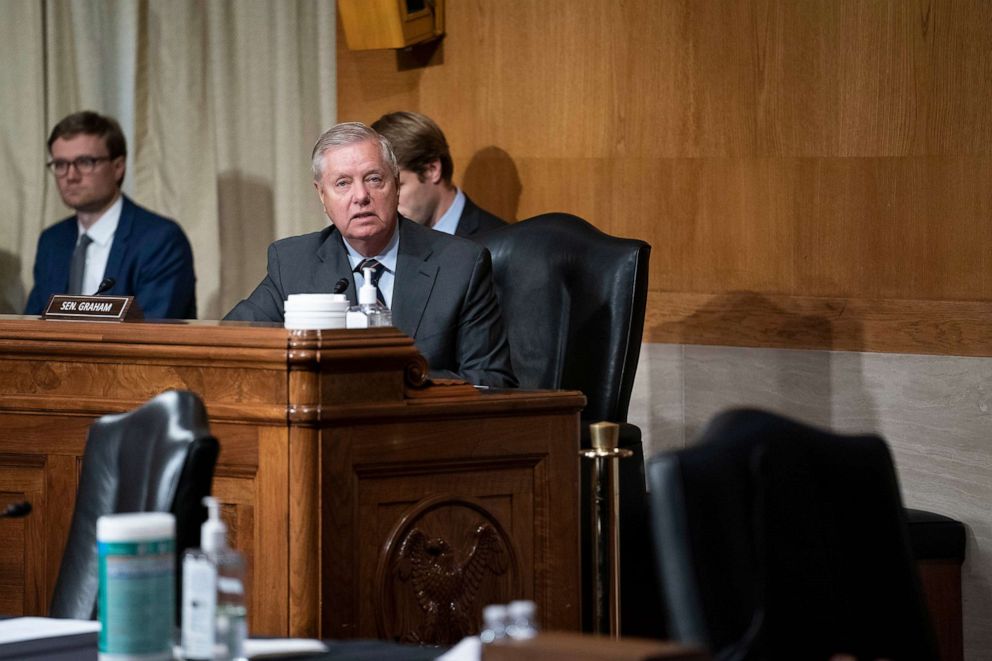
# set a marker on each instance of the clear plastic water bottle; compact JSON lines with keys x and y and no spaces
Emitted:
{"x":232,"y":612}
{"x":215,"y":623}
{"x":522,"y":620}
{"x":494,"y":620}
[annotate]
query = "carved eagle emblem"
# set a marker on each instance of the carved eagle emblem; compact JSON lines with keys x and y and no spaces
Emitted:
{"x":446,"y":589}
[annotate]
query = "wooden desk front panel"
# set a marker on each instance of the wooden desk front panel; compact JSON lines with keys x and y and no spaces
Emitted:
{"x":434,"y":472}
{"x":251,"y":471}
{"x":416,"y":504}
{"x":39,"y":463}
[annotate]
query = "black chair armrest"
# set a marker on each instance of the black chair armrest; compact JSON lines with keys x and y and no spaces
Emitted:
{"x":935,"y":536}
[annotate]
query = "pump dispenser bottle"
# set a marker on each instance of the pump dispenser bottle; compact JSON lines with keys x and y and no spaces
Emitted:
{"x":214,"y":624}
{"x":369,"y":313}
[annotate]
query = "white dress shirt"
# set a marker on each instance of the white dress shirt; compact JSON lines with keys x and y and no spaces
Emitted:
{"x":97,"y":253}
{"x":448,"y":223}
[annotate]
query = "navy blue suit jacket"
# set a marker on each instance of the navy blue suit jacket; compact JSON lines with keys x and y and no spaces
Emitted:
{"x":475,"y":220}
{"x":150,"y":259}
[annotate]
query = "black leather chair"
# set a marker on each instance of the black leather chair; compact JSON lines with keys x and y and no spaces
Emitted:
{"x":776,"y":540}
{"x":159,"y":457}
{"x":573,"y":300}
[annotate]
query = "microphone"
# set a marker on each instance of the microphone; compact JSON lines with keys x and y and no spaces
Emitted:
{"x":105,"y":285}
{"x":340,"y":286}
{"x":16,"y":510}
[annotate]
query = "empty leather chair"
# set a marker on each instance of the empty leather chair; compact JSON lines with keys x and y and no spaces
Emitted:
{"x":159,"y":457}
{"x":776,"y":540}
{"x":573,"y":301}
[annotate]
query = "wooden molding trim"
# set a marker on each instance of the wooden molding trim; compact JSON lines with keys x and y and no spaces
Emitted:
{"x":22,"y":460}
{"x":435,"y":467}
{"x":750,"y":319}
{"x":96,"y":406}
{"x":509,"y":402}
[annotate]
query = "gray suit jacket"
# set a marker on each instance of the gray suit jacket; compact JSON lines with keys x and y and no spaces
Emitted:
{"x":443,"y":296}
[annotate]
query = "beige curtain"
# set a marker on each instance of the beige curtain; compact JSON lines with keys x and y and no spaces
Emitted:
{"x":221,"y":102}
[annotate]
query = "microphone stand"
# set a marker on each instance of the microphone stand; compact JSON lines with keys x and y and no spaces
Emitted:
{"x":105,"y":286}
{"x":16,"y":510}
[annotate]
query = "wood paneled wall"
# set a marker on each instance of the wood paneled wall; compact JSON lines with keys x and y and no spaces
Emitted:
{"x":773,"y":153}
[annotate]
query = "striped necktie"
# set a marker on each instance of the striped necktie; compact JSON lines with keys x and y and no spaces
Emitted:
{"x":77,"y":267}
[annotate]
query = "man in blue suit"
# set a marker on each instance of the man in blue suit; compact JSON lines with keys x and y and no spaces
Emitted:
{"x":111,"y":245}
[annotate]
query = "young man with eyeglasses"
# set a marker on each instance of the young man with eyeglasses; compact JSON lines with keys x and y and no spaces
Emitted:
{"x":110,"y":238}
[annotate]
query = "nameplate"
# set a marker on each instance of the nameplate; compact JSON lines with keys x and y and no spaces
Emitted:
{"x":91,"y":308}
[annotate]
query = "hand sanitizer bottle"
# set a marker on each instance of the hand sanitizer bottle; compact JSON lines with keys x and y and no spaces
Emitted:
{"x":369,"y":313}
{"x":214,"y":625}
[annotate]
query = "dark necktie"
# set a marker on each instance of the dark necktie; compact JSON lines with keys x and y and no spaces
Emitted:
{"x":78,"y":265}
{"x":377,"y":270}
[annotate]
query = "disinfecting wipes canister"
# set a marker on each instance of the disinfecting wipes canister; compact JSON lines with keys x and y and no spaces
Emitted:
{"x":137,"y":583}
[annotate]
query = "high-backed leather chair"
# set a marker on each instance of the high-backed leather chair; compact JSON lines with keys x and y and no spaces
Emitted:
{"x":159,"y":457}
{"x":776,"y":540}
{"x":573,"y":301}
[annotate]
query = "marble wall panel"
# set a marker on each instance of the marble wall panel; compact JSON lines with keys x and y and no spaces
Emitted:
{"x":656,"y":403}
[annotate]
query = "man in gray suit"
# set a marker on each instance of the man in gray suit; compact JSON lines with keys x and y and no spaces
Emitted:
{"x":427,"y":194}
{"x":439,"y":287}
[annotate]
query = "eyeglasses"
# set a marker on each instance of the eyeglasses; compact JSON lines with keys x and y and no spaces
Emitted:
{"x":83,"y":164}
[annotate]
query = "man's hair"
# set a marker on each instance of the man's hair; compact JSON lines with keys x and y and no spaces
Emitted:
{"x":417,"y":142}
{"x":90,"y":123}
{"x":351,"y":133}
{"x":87,"y":122}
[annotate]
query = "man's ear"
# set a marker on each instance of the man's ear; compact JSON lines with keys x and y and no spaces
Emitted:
{"x":432,"y":171}
{"x":120,"y":166}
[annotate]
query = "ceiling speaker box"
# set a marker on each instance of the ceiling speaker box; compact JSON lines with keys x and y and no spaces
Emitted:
{"x":373,"y":24}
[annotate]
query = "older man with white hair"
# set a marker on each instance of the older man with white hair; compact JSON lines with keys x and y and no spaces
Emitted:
{"x":438,"y":287}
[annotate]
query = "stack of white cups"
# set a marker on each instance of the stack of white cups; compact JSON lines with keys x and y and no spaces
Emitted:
{"x":316,"y":311}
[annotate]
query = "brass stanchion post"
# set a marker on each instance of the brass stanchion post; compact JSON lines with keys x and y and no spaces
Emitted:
{"x":604,"y":509}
